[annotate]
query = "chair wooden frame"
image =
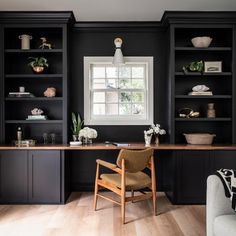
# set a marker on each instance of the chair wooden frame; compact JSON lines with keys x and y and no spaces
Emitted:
{"x":99,"y":183}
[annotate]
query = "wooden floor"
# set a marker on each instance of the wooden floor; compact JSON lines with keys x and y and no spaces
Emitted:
{"x":78,"y":218}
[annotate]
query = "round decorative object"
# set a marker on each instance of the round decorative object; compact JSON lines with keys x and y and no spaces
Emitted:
{"x":36,"y":111}
{"x":200,"y":88}
{"x":50,"y":92}
{"x":38,"y":69}
{"x":201,"y":42}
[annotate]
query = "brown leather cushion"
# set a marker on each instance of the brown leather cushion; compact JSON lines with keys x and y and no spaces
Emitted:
{"x":134,"y":181}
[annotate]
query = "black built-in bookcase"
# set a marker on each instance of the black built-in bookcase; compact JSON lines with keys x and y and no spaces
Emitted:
{"x":222,"y":84}
{"x":15,"y":72}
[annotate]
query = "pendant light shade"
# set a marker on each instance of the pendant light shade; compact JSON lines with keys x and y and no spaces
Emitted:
{"x":118,"y":58}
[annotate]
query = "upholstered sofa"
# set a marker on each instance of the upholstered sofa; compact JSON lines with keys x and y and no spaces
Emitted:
{"x":221,"y":219}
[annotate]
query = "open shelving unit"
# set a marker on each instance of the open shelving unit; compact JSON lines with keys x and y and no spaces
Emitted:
{"x":221,"y":84}
{"x":16,"y":73}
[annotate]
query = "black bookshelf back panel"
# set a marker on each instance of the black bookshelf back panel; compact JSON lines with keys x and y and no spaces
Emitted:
{"x":34,"y":131}
{"x":53,"y":35}
{"x":18,"y":63}
{"x":221,"y":37}
{"x":18,"y":110}
{"x":36,"y":86}
{"x":222,"y":106}
{"x":219,"y":86}
{"x":183,"y":58}
{"x":221,"y":129}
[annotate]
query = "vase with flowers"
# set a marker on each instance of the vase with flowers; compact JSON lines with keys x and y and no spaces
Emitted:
{"x":157,"y":131}
{"x":87,"y":135}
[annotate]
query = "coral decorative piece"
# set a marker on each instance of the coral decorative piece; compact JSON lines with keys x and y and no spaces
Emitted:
{"x":37,"y":111}
{"x":50,"y":92}
{"x":200,"y":88}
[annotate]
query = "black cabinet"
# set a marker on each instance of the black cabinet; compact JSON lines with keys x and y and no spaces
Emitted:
{"x":44,"y":176}
{"x":192,"y":171}
{"x":13,"y":176}
{"x":31,"y":177}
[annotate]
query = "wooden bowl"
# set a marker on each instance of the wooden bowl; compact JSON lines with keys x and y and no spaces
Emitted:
{"x":199,"y":138}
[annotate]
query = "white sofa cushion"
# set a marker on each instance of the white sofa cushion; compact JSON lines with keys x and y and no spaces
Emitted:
{"x":225,"y":225}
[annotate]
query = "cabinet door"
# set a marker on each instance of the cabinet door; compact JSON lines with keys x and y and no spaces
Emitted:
{"x":224,"y":159}
{"x":192,"y":171}
{"x":44,"y":176}
{"x":13,"y":176}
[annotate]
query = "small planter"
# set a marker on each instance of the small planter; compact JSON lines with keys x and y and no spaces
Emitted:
{"x":38,"y":69}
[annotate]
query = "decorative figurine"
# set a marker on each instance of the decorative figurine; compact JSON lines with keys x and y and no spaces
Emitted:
{"x":50,"y":92}
{"x":45,"y":44}
{"x":36,"y":112}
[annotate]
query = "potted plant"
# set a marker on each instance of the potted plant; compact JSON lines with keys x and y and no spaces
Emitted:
{"x":76,"y":125}
{"x":38,"y":64}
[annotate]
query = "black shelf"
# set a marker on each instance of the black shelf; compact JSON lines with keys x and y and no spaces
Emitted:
{"x":204,"y":96}
{"x":203,"y":74}
{"x":33,"y":51}
{"x":33,"y":75}
{"x":34,"y":99}
{"x":203,"y":119}
{"x":34,"y":121}
{"x":203,"y":49}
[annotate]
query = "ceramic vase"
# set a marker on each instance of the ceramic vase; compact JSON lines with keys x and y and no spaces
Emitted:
{"x":211,"y":113}
{"x":148,"y":139}
{"x":157,"y":142}
{"x":25,"y":41}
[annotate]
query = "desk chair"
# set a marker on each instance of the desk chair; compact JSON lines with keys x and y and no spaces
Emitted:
{"x":128,"y":176}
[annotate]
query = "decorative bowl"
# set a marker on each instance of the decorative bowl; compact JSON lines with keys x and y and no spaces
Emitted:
{"x":201,"y":42}
{"x":199,"y":138}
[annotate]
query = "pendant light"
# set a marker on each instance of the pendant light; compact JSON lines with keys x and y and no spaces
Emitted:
{"x":118,"y":58}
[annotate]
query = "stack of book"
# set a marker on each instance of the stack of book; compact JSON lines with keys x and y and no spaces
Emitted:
{"x":202,"y":93}
{"x":20,"y":94}
{"x":36,"y":117}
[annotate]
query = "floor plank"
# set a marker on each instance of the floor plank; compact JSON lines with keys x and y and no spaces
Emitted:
{"x":77,"y":217}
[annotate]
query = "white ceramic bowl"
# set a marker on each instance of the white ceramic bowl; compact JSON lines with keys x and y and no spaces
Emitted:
{"x":75,"y":143}
{"x":199,"y":138}
{"x":201,"y":42}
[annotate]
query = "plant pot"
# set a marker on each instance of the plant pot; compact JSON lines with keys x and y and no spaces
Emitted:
{"x":75,"y":137}
{"x":38,"y":69}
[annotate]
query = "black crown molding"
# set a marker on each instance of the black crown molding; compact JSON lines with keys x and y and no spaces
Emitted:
{"x":64,"y":17}
{"x":189,"y":17}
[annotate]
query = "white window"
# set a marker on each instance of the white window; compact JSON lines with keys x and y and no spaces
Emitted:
{"x":118,"y":95}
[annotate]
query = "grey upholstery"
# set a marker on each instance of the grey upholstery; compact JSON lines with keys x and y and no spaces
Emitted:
{"x":221,"y":219}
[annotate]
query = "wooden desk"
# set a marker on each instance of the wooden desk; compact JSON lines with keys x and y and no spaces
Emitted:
{"x":136,"y":146}
{"x":48,"y":173}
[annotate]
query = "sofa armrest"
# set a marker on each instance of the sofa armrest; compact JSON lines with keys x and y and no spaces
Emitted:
{"x":217,"y":203}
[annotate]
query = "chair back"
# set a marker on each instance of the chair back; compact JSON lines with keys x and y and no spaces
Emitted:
{"x":134,"y":160}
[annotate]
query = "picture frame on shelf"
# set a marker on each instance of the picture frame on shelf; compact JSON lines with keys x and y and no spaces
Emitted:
{"x":212,"y":66}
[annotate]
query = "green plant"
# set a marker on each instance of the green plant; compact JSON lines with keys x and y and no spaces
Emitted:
{"x":38,"y":62}
{"x":76,"y":123}
{"x":195,"y":66}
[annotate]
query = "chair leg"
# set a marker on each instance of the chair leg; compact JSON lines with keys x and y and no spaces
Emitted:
{"x":96,"y":188}
{"x":153,"y":186}
{"x":123,"y":192}
{"x":132,"y":195}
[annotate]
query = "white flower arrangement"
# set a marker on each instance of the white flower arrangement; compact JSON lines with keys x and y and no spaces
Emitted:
{"x":88,"y":133}
{"x":155,"y":129}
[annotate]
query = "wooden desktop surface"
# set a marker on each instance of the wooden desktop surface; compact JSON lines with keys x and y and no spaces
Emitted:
{"x":102,"y":146}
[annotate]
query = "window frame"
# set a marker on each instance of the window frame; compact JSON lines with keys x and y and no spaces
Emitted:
{"x":127,"y":119}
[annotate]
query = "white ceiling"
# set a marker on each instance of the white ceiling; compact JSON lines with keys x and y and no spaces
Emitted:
{"x":117,"y":10}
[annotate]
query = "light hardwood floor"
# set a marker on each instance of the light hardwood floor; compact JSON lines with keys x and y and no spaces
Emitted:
{"x":77,"y":217}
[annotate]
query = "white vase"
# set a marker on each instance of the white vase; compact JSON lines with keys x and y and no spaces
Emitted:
{"x":148,"y":139}
{"x":25,"y":41}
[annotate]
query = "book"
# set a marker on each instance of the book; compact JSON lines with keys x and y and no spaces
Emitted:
{"x":36,"y":117}
{"x":207,"y":93}
{"x":20,"y":94}
{"x":121,"y":144}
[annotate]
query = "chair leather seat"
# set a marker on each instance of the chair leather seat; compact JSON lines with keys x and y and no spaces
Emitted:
{"x":134,"y":181}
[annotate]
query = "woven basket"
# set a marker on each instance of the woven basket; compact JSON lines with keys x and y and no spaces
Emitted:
{"x":199,"y":138}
